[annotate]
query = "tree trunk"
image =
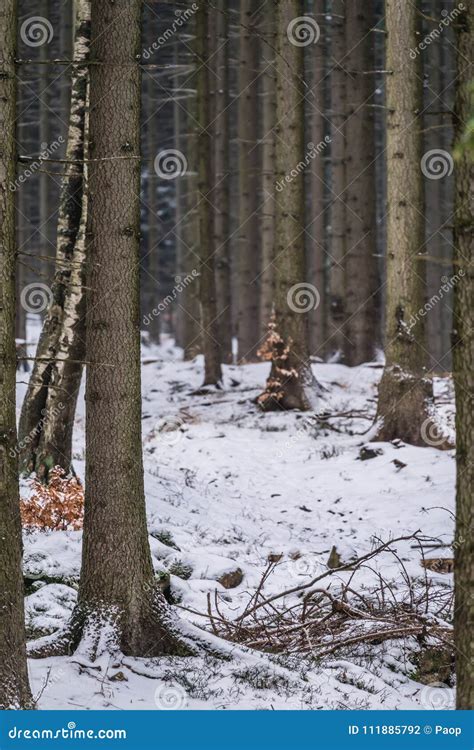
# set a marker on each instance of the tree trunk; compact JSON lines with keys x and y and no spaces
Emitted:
{"x":316,"y":248}
{"x":338,"y":220}
{"x":47,"y":416}
{"x":267,"y":214}
{"x":291,"y":384}
{"x":120,"y":606}
{"x":221,"y":193}
{"x":248,"y":242}
{"x":361,"y":334}
{"x":463,"y":356}
{"x":154,"y":327}
{"x":14,"y":688}
{"x":405,"y":392}
{"x":207,"y":282}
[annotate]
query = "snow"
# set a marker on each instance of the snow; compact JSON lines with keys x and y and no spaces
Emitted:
{"x":229,"y":486}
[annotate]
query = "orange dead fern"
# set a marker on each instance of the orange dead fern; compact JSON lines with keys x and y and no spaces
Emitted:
{"x":58,"y":505}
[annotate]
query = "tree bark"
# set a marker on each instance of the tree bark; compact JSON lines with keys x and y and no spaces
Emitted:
{"x":117,"y":589}
{"x":361,"y":334}
{"x":267,"y":214}
{"x":47,"y":416}
{"x":248,"y":242}
{"x":207,"y":281}
{"x":463,"y":359}
{"x":221,"y":193}
{"x":14,"y":688}
{"x":316,"y":245}
{"x":405,"y":393}
{"x":291,"y":384}
{"x":338,"y":220}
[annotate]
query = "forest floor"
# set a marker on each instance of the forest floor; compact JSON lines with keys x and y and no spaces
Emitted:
{"x":230,"y":488}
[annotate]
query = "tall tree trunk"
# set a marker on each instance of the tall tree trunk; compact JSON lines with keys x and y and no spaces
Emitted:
{"x":338,"y":220}
{"x":267,"y":214}
{"x":248,"y":242}
{"x":47,"y":416}
{"x":152,"y":206}
{"x":463,"y":356}
{"x":221,"y":193}
{"x":361,"y":334}
{"x":404,"y":393}
{"x":207,"y":282}
{"x":117,"y":589}
{"x":291,"y":384}
{"x":316,"y":247}
{"x":14,"y":688}
{"x":188,"y":301}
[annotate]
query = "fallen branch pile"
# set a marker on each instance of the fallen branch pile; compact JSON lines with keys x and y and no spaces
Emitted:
{"x":322,"y":622}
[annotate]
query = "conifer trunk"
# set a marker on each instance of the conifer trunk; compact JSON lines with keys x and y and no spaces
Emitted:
{"x":463,"y":359}
{"x":14,"y":688}
{"x":405,"y":392}
{"x":207,"y":282}
{"x":291,"y":384}
{"x":248,"y":240}
{"x":361,"y":330}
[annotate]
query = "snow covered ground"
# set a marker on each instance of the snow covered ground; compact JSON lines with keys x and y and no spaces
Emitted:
{"x":227,"y":487}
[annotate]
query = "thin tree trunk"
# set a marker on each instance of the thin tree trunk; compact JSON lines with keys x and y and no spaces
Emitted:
{"x":47,"y":416}
{"x":361,"y":333}
{"x":338,"y":220}
{"x":316,"y":247}
{"x":207,"y":282}
{"x":221,"y":193}
{"x":248,"y":242}
{"x":188,"y":300}
{"x":291,"y":384}
{"x":463,"y":356}
{"x":404,"y":393}
{"x":152,"y":204}
{"x":267,"y":214}
{"x":14,"y":688}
